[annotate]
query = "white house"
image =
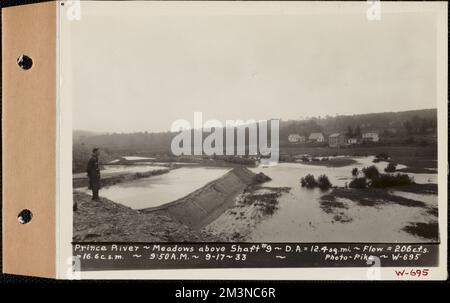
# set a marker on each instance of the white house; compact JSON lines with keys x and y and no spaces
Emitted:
{"x":335,"y":140}
{"x":316,"y":137}
{"x":296,"y":138}
{"x":370,"y":137}
{"x":352,"y":141}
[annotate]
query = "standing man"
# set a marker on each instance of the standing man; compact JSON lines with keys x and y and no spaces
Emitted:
{"x":93,"y":172}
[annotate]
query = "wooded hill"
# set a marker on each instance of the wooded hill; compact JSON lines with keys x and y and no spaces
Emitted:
{"x":393,"y":127}
{"x":390,"y":123}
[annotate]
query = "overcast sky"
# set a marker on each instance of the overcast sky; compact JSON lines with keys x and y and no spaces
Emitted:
{"x":132,"y":72}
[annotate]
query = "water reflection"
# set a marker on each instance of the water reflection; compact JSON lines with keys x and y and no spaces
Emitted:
{"x":161,"y":189}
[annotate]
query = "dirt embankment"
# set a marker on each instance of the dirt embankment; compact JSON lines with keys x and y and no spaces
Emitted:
{"x":206,"y":204}
{"x":178,"y":221}
{"x":107,"y":221}
{"x":251,"y":207}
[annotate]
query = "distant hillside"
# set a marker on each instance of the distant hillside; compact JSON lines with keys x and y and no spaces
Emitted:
{"x":389,"y":123}
{"x":397,"y":126}
{"x":156,"y":142}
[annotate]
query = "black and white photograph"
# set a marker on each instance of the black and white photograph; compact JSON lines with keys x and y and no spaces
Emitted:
{"x":235,"y":148}
{"x":263,"y":123}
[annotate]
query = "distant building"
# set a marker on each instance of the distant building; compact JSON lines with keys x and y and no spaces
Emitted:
{"x":296,"y":138}
{"x":316,"y":137}
{"x":351,"y":141}
{"x":370,"y":137}
{"x":335,"y":140}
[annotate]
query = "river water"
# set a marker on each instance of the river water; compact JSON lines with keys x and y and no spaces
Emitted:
{"x":299,"y":217}
{"x":157,"y":190}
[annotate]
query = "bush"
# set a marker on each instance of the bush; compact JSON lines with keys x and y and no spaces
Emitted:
{"x":391,"y":167}
{"x":260,"y":178}
{"x":323,"y":182}
{"x":305,"y":159}
{"x":371,"y":172}
{"x":308,"y":181}
{"x":382,"y":156}
{"x":386,"y":180}
{"x":358,"y":183}
{"x":355,"y":172}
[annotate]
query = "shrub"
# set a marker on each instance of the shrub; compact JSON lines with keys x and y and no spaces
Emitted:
{"x":308,"y":181}
{"x":358,"y":183}
{"x":305,"y":159}
{"x":371,"y":172}
{"x":355,"y":172}
{"x":386,"y":180}
{"x":323,"y":182}
{"x":382,"y":156}
{"x":260,"y":178}
{"x":391,"y":167}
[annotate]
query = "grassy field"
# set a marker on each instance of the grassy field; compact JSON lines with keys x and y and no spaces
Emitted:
{"x":417,"y":158}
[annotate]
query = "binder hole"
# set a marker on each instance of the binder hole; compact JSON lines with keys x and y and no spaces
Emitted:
{"x":25,"y":216}
{"x":25,"y":62}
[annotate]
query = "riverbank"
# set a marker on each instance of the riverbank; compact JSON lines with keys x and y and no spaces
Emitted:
{"x":206,"y":204}
{"x":251,"y":207}
{"x":181,"y":220}
{"x":417,"y":158}
{"x":338,"y":201}
{"x":378,"y":196}
{"x":107,"y":221}
{"x":120,"y":178}
{"x":232,"y":205}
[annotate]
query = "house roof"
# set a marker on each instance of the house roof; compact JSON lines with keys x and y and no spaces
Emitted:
{"x":315,"y":135}
{"x":335,"y":135}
